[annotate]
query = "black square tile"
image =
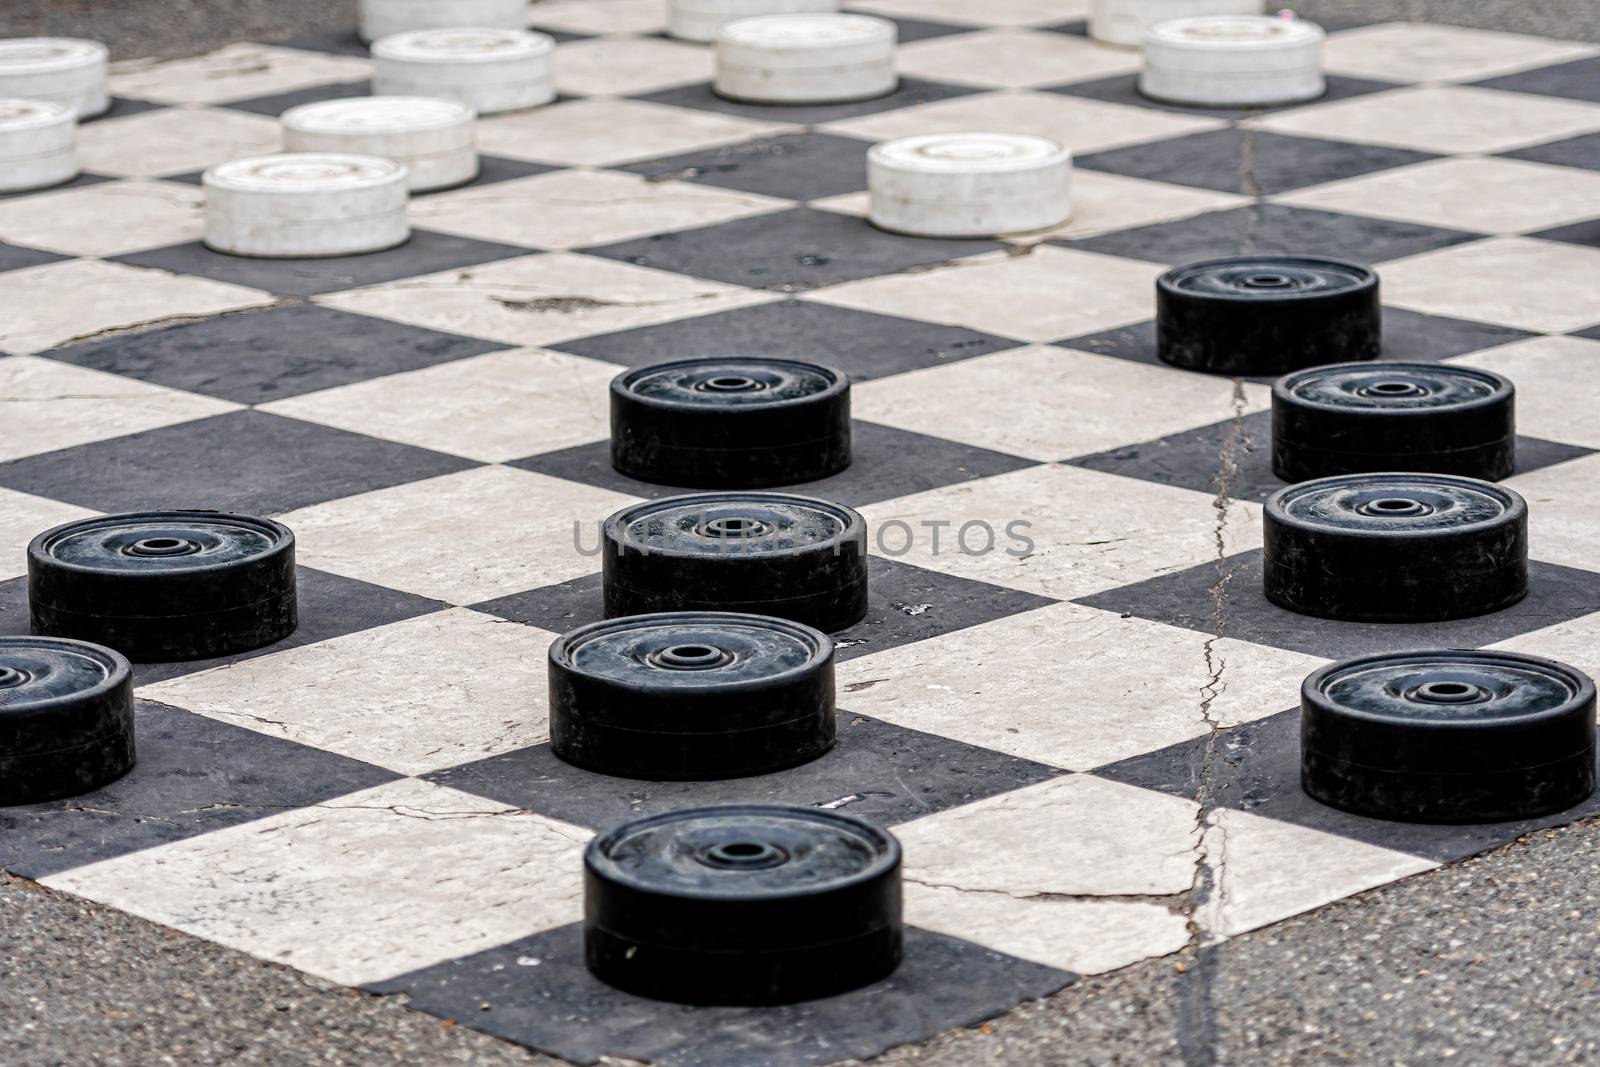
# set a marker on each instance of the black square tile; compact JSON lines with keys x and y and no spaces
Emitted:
{"x":1272,"y":228}
{"x":330,"y":606}
{"x":492,"y":170}
{"x":1253,"y":162}
{"x":1075,"y":27}
{"x":1579,"y":233}
{"x":910,"y":92}
{"x":1577,"y":80}
{"x":877,"y":771}
{"x":888,"y":463}
{"x":920,"y":29}
{"x":797,"y":166}
{"x":1581,"y":151}
{"x":863,"y":344}
{"x":83,"y":179}
{"x":257,"y":356}
{"x":193,"y":775}
{"x":1256,"y":768}
{"x":342,"y":42}
{"x":905,"y":604}
{"x":539,"y":993}
{"x":16,"y":257}
{"x":1124,"y":89}
{"x":1409,"y":335}
{"x":425,"y":253}
{"x":246,"y":461}
{"x":1191,"y":460}
{"x":122,"y":107}
{"x":1183,"y":598}
{"x":796,"y":249}
{"x":276,"y":104}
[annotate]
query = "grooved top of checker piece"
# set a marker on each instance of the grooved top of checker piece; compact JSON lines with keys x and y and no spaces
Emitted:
{"x":1267,"y":314}
{"x":165,"y":585}
{"x":1355,"y":417}
{"x":691,"y":696}
{"x":66,"y":718}
{"x":746,"y":423}
{"x":1395,"y":547}
{"x":1448,"y":736}
{"x":749,"y":904}
{"x":792,"y":557}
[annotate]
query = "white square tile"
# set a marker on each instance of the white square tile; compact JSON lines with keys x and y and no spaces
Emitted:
{"x":461,"y":538}
{"x":1050,"y":403}
{"x":1557,"y":379}
{"x":1443,"y":119}
{"x":1576,"y":641}
{"x":1045,"y":295}
{"x":989,"y":13}
{"x":46,"y":306}
{"x":48,"y":406}
{"x":24,"y":516}
{"x":1072,"y":836}
{"x":359,"y":889}
{"x":603,"y":132}
{"x":493,"y":408}
{"x":173,"y":141}
{"x":413,"y":696}
{"x":107,"y":219}
{"x":1071,"y":686}
{"x":1012,"y":59}
{"x":1082,"y":125}
{"x":1082,"y":936}
{"x":1263,"y":870}
{"x":575,"y":208}
{"x":601,"y":16}
{"x":1563,"y":514}
{"x":627,"y":66}
{"x":1506,"y":280}
{"x":1062,"y":531}
{"x":542,"y":299}
{"x":237,"y":72}
{"x":1480,"y":195}
{"x":1415,"y":51}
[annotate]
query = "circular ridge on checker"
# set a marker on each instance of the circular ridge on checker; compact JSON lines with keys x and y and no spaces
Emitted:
{"x":1448,"y":736}
{"x":385,"y":18}
{"x":1267,"y":314}
{"x":1352,"y":418}
{"x":748,"y":904}
{"x":306,"y":206}
{"x":1124,"y":22}
{"x":433,"y":139}
{"x":164,"y":586}
{"x":1233,"y":61}
{"x":38,"y":145}
{"x":490,"y":70}
{"x":699,"y":20}
{"x":972,"y":184}
{"x":1395,"y":547}
{"x":66,"y":718}
{"x":742,"y":423}
{"x":791,"y":557}
{"x":806,"y":59}
{"x":691,"y":696}
{"x":62,"y":70}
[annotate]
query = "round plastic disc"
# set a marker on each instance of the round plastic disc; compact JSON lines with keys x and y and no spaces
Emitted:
{"x":742,"y":905}
{"x":66,"y":718}
{"x":1449,"y":736}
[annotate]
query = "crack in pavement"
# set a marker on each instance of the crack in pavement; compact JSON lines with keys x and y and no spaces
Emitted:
{"x":1196,"y":966}
{"x":1172,"y":902}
